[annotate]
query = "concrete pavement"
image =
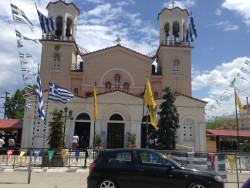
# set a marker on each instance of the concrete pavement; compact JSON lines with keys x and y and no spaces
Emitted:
{"x":66,"y":178}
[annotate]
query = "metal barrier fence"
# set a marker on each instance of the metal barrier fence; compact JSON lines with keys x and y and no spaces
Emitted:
{"x":79,"y":158}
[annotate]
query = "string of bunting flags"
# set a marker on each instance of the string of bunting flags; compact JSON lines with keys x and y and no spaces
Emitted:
{"x":28,"y":63}
{"x":229,"y":92}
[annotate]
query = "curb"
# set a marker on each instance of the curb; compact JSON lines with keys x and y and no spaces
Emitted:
{"x":43,"y":170}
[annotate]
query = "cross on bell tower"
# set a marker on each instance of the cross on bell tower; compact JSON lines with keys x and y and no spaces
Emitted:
{"x":118,"y":40}
{"x":173,"y":3}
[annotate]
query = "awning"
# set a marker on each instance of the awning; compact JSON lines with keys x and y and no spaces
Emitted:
{"x":229,"y":133}
{"x":11,"y":124}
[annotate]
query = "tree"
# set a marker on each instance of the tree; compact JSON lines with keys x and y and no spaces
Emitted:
{"x":219,"y":123}
{"x":56,"y":136}
{"x":169,"y":121}
{"x":15,"y":105}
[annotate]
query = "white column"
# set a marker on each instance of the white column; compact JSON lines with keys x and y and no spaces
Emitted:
{"x":181,"y":31}
{"x":171,"y":32}
{"x":73,"y":31}
{"x":64,"y":29}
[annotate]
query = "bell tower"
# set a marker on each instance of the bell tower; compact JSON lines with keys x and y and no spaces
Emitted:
{"x":59,"y":50}
{"x":174,"y":55}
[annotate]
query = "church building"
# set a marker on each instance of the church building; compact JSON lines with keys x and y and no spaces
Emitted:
{"x":120,"y":74}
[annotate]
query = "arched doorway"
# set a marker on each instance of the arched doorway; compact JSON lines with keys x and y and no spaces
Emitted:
{"x":82,"y":129}
{"x":115,"y":129}
{"x":145,"y":124}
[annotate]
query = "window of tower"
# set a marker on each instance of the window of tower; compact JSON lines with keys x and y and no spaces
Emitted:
{"x":108,"y":86}
{"x":166,"y":29}
{"x":176,"y":30}
{"x":126,"y":86}
{"x":56,"y":64}
{"x":188,"y":130}
{"x":176,"y":66}
{"x":59,"y":21}
{"x":76,"y":92}
{"x":69,"y":27}
{"x":117,"y":78}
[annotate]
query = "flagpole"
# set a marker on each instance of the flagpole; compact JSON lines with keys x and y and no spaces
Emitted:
{"x":94,"y":120}
{"x":238,"y":148}
{"x":143,"y":107}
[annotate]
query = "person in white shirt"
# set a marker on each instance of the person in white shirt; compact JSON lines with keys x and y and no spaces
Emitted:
{"x":11,"y":142}
{"x":1,"y":144}
{"x":75,"y":141}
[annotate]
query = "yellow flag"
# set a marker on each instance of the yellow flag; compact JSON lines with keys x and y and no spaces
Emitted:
{"x":148,"y":96}
{"x":95,"y":104}
{"x":149,"y":100}
{"x":22,"y":153}
{"x":63,"y":151}
{"x":239,"y":103}
{"x":231,"y":160}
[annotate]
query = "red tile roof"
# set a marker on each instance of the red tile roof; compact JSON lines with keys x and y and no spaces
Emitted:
{"x":229,"y":133}
{"x":184,"y":95}
{"x":183,"y":10}
{"x":117,"y":46}
{"x":11,"y":124}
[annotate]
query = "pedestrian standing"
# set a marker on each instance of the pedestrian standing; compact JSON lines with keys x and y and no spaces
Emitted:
{"x":11,"y":142}
{"x":75,"y":141}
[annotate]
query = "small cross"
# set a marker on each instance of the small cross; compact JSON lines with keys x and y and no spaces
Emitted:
{"x":118,"y":40}
{"x":173,"y":3}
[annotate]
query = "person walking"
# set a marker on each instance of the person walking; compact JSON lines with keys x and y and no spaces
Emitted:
{"x":75,"y":141}
{"x":1,"y":144}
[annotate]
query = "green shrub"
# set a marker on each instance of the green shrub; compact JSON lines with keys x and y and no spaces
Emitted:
{"x":246,"y":147}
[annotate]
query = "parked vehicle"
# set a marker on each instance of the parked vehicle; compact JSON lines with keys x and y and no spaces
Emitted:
{"x":143,"y":168}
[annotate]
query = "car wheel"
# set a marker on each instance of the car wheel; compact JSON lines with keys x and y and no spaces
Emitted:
{"x":196,"y":185}
{"x":107,"y":183}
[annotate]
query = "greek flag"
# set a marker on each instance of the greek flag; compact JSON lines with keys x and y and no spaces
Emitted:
{"x":17,"y":11}
{"x":21,"y":55}
{"x":19,"y":35}
{"x":18,"y":20}
{"x":59,"y":94}
{"x":39,"y":93}
{"x":191,"y":34}
{"x":47,"y":24}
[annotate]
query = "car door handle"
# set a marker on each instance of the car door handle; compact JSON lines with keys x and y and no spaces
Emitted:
{"x":169,"y":176}
{"x":141,"y":170}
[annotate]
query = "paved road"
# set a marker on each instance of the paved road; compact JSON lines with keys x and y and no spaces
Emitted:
{"x":72,"y":179}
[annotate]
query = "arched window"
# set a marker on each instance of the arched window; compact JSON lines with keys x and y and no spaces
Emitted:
{"x":126,"y":86}
{"x":176,"y":66}
{"x":56,"y":64}
{"x":69,"y":27}
{"x":59,"y":21}
{"x":155,"y":95}
{"x":83,"y":116}
{"x":116,"y":117}
{"x":188,"y":130}
{"x":76,"y":92}
{"x":166,"y":29}
{"x":176,"y":30}
{"x":117,"y":78}
{"x":107,"y":86}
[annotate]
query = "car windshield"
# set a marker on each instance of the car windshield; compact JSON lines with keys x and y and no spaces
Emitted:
{"x":176,"y":163}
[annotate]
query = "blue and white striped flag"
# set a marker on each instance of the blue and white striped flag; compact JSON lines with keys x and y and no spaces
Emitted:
{"x":47,"y":24}
{"x":17,"y":11}
{"x":19,"y":35}
{"x":21,"y":55}
{"x":191,"y":33}
{"x":39,"y":93}
{"x":59,"y":94}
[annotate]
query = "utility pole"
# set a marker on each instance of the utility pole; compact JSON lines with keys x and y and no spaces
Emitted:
{"x":6,"y":97}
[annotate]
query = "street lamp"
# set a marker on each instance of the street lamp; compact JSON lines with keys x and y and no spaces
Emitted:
{"x":65,"y":118}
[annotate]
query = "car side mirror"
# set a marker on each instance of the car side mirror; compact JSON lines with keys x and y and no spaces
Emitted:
{"x":169,"y":166}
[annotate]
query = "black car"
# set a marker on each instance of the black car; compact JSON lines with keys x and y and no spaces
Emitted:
{"x":143,"y":168}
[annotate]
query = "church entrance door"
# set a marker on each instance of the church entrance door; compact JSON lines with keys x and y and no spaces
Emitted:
{"x":82,"y":129}
{"x":115,"y":136}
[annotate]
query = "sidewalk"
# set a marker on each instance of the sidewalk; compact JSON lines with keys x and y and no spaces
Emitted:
{"x":64,"y":178}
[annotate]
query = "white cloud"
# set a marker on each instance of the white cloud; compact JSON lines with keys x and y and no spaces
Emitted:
{"x":227,"y":26}
{"x":241,"y":7}
{"x":218,"y":12}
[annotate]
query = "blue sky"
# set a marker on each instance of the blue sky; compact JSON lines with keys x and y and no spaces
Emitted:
{"x":220,"y":50}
